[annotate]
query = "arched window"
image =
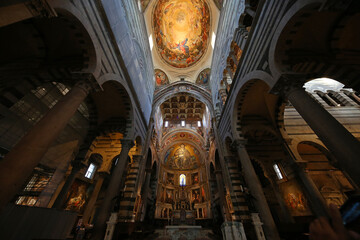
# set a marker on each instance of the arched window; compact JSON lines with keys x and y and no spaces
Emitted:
{"x":182,"y":180}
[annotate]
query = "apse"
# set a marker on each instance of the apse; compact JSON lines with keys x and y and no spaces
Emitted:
{"x":181,"y":29}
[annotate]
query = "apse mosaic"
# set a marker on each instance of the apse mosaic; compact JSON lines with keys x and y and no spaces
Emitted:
{"x":161,"y":78}
{"x":182,"y":157}
{"x":181,"y":29}
{"x":204,"y":76}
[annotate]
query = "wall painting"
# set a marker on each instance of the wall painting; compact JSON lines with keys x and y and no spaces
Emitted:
{"x":203,"y":78}
{"x":78,"y":196}
{"x":161,"y":78}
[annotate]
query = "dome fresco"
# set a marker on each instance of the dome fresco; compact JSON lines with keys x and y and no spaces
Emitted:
{"x":181,"y":29}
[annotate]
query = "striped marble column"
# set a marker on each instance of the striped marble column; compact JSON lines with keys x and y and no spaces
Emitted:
{"x":127,"y":203}
{"x":238,"y":198}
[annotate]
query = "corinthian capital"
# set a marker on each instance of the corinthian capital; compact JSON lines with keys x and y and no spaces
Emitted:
{"x":126,"y":144}
{"x":86,"y":81}
{"x":41,"y":8}
{"x":239,"y":143}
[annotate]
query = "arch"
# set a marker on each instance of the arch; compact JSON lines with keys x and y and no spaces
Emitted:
{"x":138,"y":145}
{"x":322,"y":153}
{"x":96,"y":158}
{"x":330,"y":181}
{"x":118,"y":115}
{"x":217,"y":161}
{"x":228,"y":146}
{"x":273,"y":65}
{"x":181,"y":87}
{"x":192,"y":133}
{"x":95,"y":61}
{"x":253,"y":99}
{"x":292,"y":51}
{"x":46,"y":50}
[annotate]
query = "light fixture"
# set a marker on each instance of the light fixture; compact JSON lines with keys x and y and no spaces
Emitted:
{"x":199,"y":124}
{"x":166,"y":124}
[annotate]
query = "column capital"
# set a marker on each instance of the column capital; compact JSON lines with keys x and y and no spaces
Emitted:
{"x":103,"y":174}
{"x":41,"y":8}
{"x":229,"y":159}
{"x":288,"y":83}
{"x":335,"y":5}
{"x":86,"y":81}
{"x":239,"y":143}
{"x":137,"y":158}
{"x":77,"y":165}
{"x":126,"y":144}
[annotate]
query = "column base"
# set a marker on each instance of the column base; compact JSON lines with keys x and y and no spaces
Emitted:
{"x":233,"y":231}
{"x":111,"y":226}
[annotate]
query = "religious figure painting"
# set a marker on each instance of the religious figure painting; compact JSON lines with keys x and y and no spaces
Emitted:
{"x":195,"y":178}
{"x":161,"y":78}
{"x":196,"y":197}
{"x":181,"y":29}
{"x":203,"y":78}
{"x":78,"y":195}
{"x":295,"y":199}
{"x":170,"y":178}
{"x":181,"y":157}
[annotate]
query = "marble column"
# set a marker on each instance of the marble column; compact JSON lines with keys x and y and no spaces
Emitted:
{"x":223,"y":202}
{"x":19,"y":163}
{"x":258,"y":226}
{"x":91,"y":203}
{"x":112,"y":191}
{"x":254,"y":185}
{"x":340,"y":142}
{"x":76,"y":167}
{"x":317,"y":202}
{"x":240,"y":36}
{"x":233,"y":57}
{"x":144,"y":197}
{"x":227,"y":87}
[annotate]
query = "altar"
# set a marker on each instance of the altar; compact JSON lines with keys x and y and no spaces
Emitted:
{"x":183,"y":231}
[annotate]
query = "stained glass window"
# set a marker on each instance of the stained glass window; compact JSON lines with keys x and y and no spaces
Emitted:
{"x":182,"y":180}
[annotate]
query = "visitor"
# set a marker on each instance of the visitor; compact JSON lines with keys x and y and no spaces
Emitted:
{"x":321,"y":228}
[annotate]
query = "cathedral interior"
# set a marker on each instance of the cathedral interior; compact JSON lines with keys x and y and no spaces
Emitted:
{"x":176,"y":119}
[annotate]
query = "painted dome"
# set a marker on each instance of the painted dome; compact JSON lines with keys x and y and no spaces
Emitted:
{"x":181,"y":29}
